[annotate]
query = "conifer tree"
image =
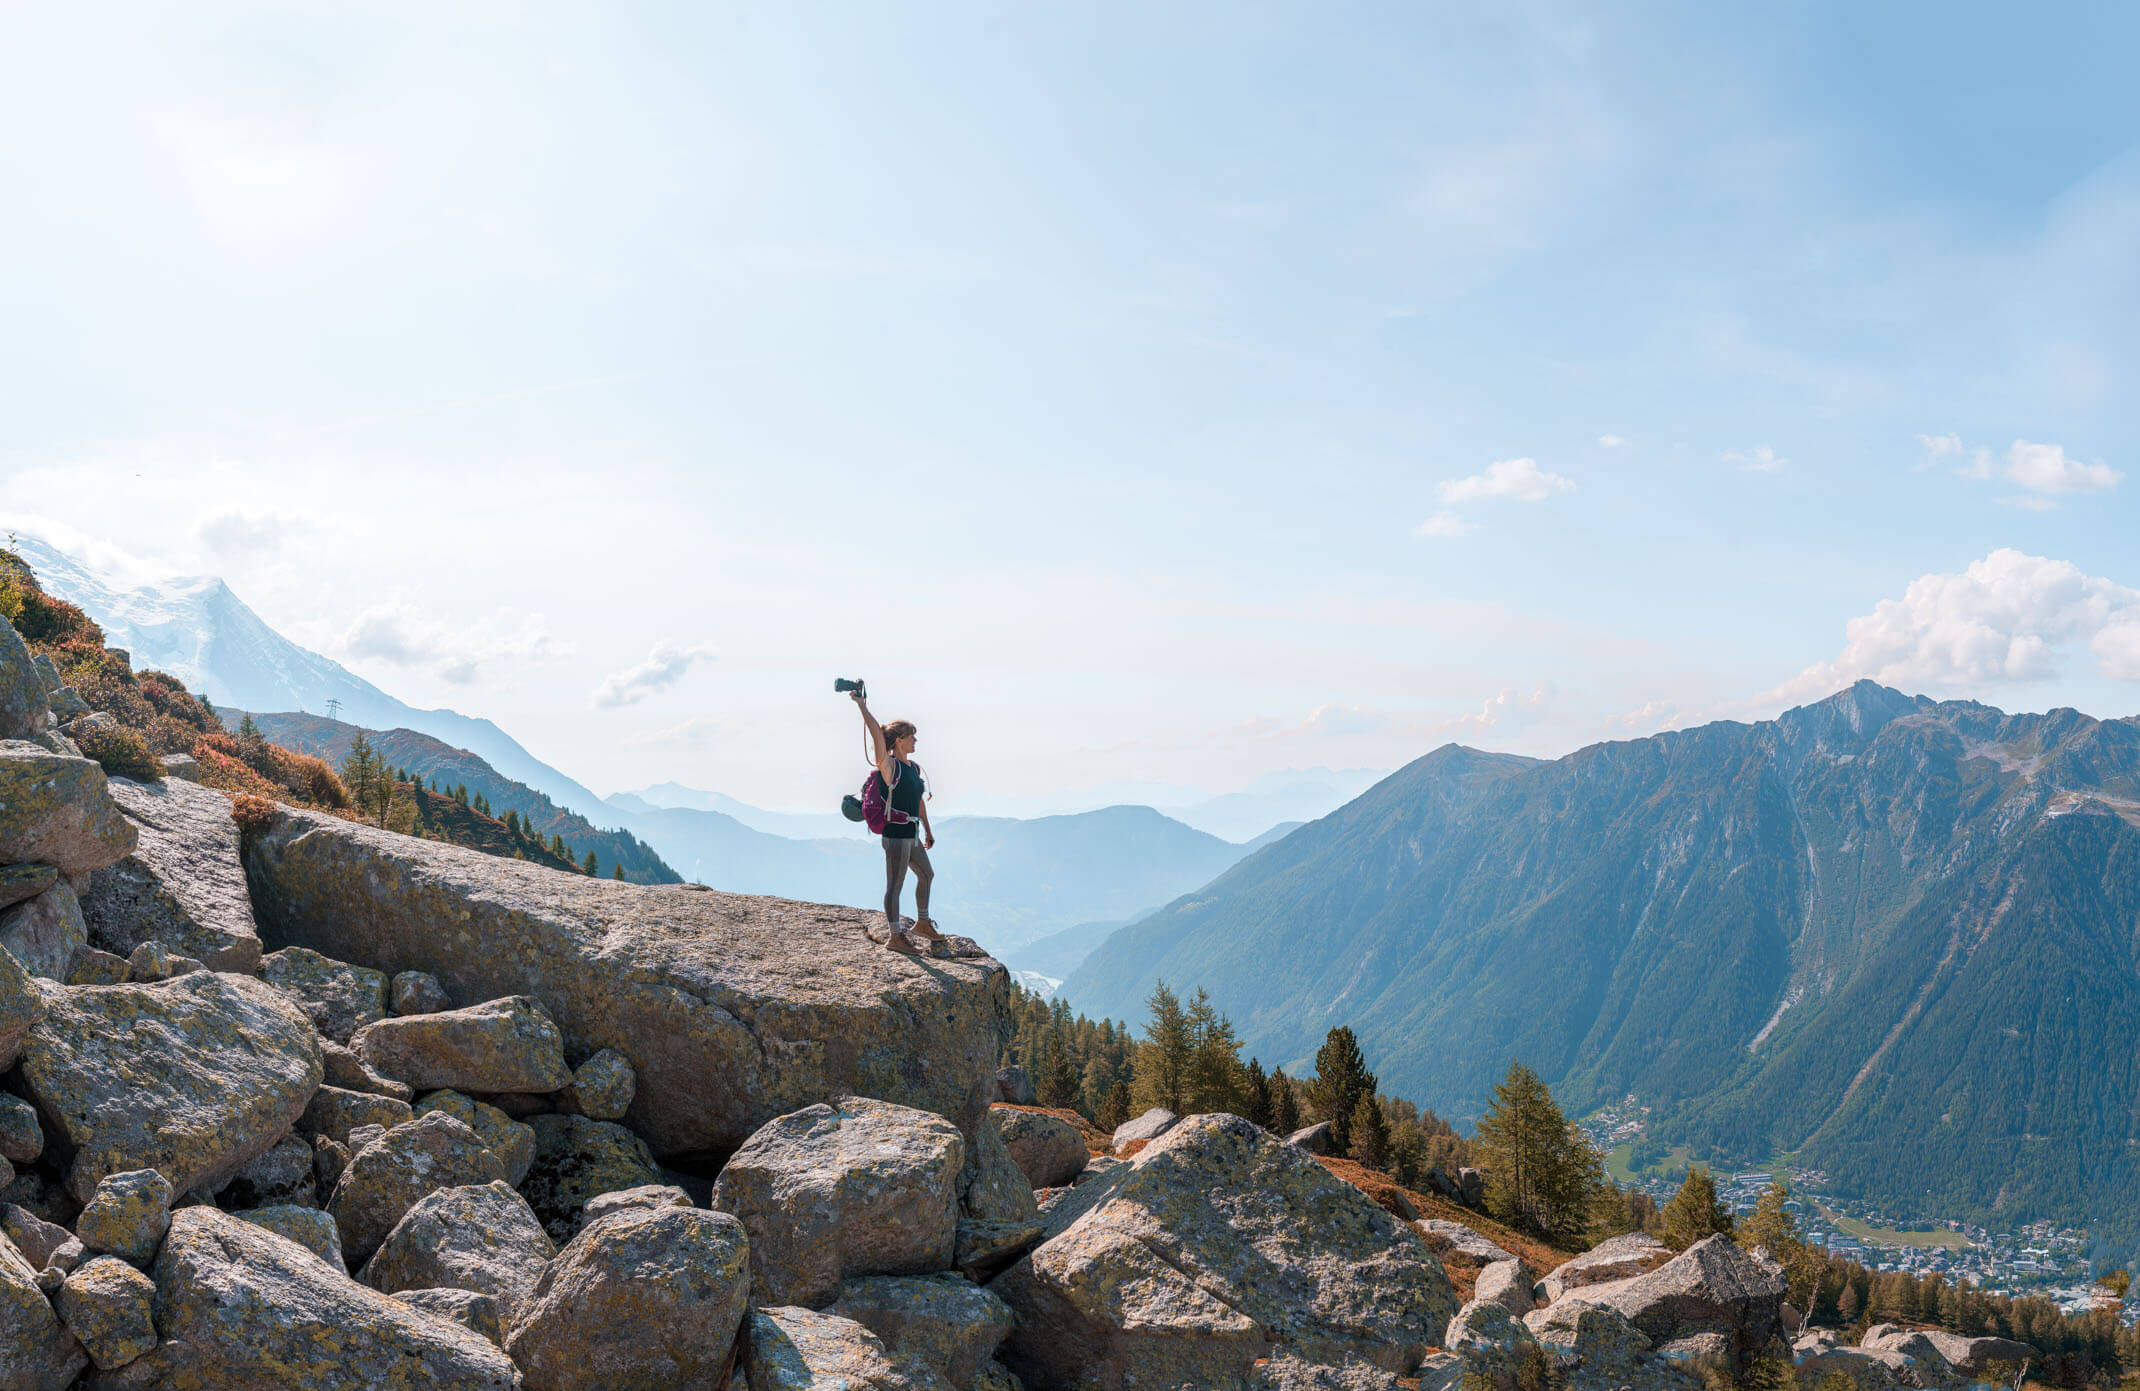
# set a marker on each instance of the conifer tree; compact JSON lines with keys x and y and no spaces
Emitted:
{"x":1369,"y":1134}
{"x":1542,"y":1173}
{"x":1114,"y":1111}
{"x":590,"y":865}
{"x":512,"y":821}
{"x":1215,"y":1082}
{"x":1285,"y":1106}
{"x":616,"y":871}
{"x":1256,"y":1094}
{"x":1341,"y":1079}
{"x":1165,"y":1057}
{"x":1058,"y":1084}
{"x":1695,"y":1211}
{"x":247,"y":729}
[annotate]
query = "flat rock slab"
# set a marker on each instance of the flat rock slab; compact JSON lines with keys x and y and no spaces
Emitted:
{"x":56,"y":809}
{"x":193,"y":1076}
{"x":1216,"y":1242}
{"x":786,"y":1003}
{"x":183,"y":885}
{"x":507,"y":1045}
{"x":652,"y":1297}
{"x":242,"y":1309}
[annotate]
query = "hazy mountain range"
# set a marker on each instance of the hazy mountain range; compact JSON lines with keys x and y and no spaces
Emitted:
{"x":1896,"y":938}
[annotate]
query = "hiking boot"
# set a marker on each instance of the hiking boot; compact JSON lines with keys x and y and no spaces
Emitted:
{"x":901,"y":943}
{"x":925,"y":928}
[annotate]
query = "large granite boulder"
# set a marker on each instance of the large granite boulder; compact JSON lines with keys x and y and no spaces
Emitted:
{"x":482,"y":1238}
{"x":1149,"y":1126}
{"x":25,"y":706}
{"x":578,"y":1160}
{"x":37,"y":1353}
{"x":21,"y":1007}
{"x":408,"y":1164}
{"x":1456,"y":1243}
{"x":1711,"y":1297}
{"x":1047,"y":1149}
{"x":508,"y":1045}
{"x":859,"y":1187}
{"x":471,"y":1309}
{"x":193,"y":1076}
{"x":992,"y":1188}
{"x":942,"y":1323}
{"x":1615,"y":1258}
{"x":786,"y":1003}
{"x":1507,"y":1283}
{"x":791,"y":1349}
{"x":649,"y":1297}
{"x":1217,"y":1241}
{"x":56,"y":809}
{"x":45,"y":932}
{"x":242,"y":1309}
{"x":1488,"y":1334}
{"x":182,"y":886}
{"x":1934,"y":1350}
{"x":602,"y":1087}
{"x":340,"y":998}
{"x":1867,"y":1369}
{"x":1597,"y":1349}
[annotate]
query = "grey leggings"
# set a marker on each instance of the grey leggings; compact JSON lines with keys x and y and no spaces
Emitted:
{"x":900,"y":852}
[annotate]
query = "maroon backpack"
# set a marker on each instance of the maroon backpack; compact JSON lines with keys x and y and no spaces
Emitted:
{"x":874,"y":807}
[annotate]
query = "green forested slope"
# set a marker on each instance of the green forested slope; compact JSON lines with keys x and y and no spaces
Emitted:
{"x":1897,"y":937}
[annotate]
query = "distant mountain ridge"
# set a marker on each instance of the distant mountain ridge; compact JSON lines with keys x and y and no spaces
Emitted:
{"x":1894,"y":937}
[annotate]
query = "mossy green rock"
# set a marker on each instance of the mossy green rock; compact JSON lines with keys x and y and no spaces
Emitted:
{"x":647,"y":1298}
{"x":193,"y":1076}
{"x":242,"y":1309}
{"x":57,"y":810}
{"x":733,"y":1009}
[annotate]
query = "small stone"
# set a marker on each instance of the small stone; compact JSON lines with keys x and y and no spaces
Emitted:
{"x":67,"y":1255}
{"x":349,"y":997}
{"x":329,"y":1158}
{"x":991,"y":1186}
{"x":334,"y":1112}
{"x":1015,"y":1086}
{"x":36,"y":1238}
{"x":181,"y":765}
{"x":127,"y":1216}
{"x":151,"y":961}
{"x":93,"y":967}
{"x":107,"y":1305}
{"x":601,"y":1088}
{"x":21,"y":1138}
{"x":477,"y":1312}
{"x":512,"y":1142}
{"x":1047,"y":1149}
{"x":1149,"y":1126}
{"x":36,"y":1350}
{"x":508,"y":1045}
{"x":307,"y":1226}
{"x":418,"y":992}
{"x":984,"y":1250}
{"x":362,"y":1138}
{"x":350,"y":1072}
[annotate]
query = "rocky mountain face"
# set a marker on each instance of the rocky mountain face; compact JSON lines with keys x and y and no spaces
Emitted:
{"x":317,"y":1106}
{"x":1891,"y":935}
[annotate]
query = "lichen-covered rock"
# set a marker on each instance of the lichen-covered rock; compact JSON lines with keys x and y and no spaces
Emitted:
{"x":21,"y":1007}
{"x":127,"y":1215}
{"x":37,"y":1353}
{"x":109,"y":1307}
{"x":1867,"y":1369}
{"x":578,"y":1160}
{"x":94,"y":967}
{"x":25,"y":704}
{"x":1615,"y":1258}
{"x":1486,"y":1332}
{"x":860,"y":1187}
{"x":792,"y":1349}
{"x":1013,"y":1085}
{"x":511,"y":1141}
{"x":21,"y":1138}
{"x":418,"y":992}
{"x":193,"y":1076}
{"x":652,"y":1195}
{"x":942,"y":1322}
{"x":1149,"y":1126}
{"x":280,"y":1177}
{"x":1217,"y":1240}
{"x":153,"y":961}
{"x":1507,"y":1283}
{"x":481,"y":1238}
{"x":1933,"y":1347}
{"x":183,"y":884}
{"x":340,"y":998}
{"x":471,"y":1309}
{"x":384,"y":1180}
{"x":307,"y":1226}
{"x":1597,"y":1349}
{"x":983,"y":1250}
{"x":992,"y":1188}
{"x":57,"y":810}
{"x":601,"y":1088}
{"x":1712,"y":1291}
{"x":20,"y":882}
{"x":508,"y":1045}
{"x":350,"y":1072}
{"x":45,"y":932}
{"x":242,"y":1309}
{"x":181,"y":765}
{"x":1047,"y":1149}
{"x":33,"y":1236}
{"x":334,"y":1112}
{"x":784,"y":1003}
{"x":645,"y":1298}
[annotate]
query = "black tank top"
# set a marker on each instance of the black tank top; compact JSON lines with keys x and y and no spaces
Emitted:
{"x":906,"y":796}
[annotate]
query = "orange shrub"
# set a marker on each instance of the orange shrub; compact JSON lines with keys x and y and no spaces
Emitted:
{"x":253,"y":814}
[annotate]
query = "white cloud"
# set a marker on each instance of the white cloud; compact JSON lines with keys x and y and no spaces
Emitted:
{"x":1612,"y":442}
{"x":663,"y":668}
{"x":2008,"y":618}
{"x":1760,"y":459}
{"x":2040,"y":468}
{"x":1445,"y":524}
{"x":1520,"y":479}
{"x":245,"y":533}
{"x":399,"y":635}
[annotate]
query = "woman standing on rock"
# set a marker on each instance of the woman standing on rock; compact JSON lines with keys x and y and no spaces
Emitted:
{"x":907,"y":837}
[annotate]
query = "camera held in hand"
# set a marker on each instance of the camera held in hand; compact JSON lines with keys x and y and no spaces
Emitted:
{"x":841,"y":685}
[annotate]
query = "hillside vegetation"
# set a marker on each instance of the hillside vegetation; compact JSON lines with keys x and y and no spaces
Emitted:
{"x":1888,"y":935}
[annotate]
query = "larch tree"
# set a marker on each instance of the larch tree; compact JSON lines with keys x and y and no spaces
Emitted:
{"x":1341,"y":1079}
{"x":1696,"y":1212}
{"x":1541,"y":1172}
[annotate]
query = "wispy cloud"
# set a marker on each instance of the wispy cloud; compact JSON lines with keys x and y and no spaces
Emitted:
{"x":1445,"y":524}
{"x":1612,"y":442}
{"x":2045,"y":470}
{"x":400,"y":635}
{"x":1760,"y":459}
{"x":666,"y":665}
{"x":1518,"y":479}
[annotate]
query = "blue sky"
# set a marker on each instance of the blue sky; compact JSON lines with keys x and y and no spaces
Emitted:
{"x":1100,"y":381}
